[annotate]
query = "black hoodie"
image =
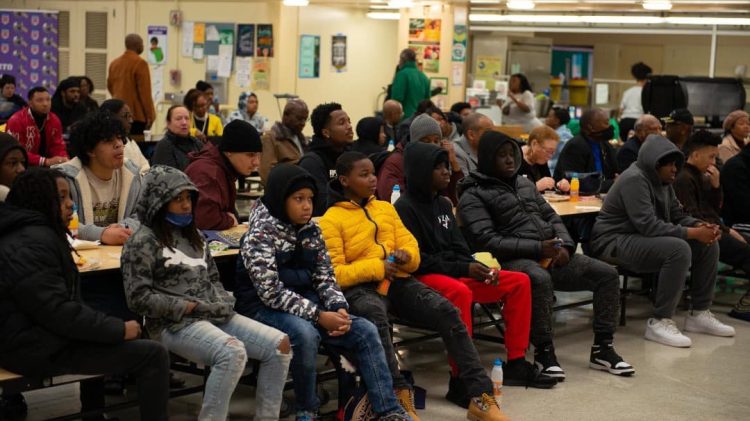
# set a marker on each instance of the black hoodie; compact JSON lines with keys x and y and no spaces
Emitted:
{"x":320,"y":162}
{"x":41,"y":312}
{"x":429,"y":217}
{"x":508,"y":218}
{"x":368,"y":134}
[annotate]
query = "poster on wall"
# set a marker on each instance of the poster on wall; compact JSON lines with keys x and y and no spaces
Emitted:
{"x":199,"y":38}
{"x":226,"y":46}
{"x":338,"y":53}
{"x":186,"y":46}
{"x":458,"y":50}
{"x":424,"y":30}
{"x":243,"y":66}
{"x":428,"y":57}
{"x":309,"y":56}
{"x":265,"y":40}
{"x":439,"y":82}
{"x":261,"y":74}
{"x":245,"y":40}
{"x":488,"y":69}
{"x":28,"y":48}
{"x":157,"y":44}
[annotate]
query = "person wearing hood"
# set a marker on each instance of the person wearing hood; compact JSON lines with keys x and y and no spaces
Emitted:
{"x":39,"y":130}
{"x":13,"y":161}
{"x":177,"y":144}
{"x":285,"y":279}
{"x":171,"y":279}
{"x":66,"y":102}
{"x":423,"y":129}
{"x":643,"y":228}
{"x":47,"y":330}
{"x":284,"y":142}
{"x":247,"y":110}
{"x":333,"y":136}
{"x":10,"y":101}
{"x":590,"y":151}
{"x":104,"y":185}
{"x":215,"y":169}
{"x":374,"y":257}
{"x":447,"y":266}
{"x":370,"y":136}
{"x":504,"y":214}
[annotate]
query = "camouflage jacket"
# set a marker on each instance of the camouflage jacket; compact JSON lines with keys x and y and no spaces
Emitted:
{"x":285,"y":268}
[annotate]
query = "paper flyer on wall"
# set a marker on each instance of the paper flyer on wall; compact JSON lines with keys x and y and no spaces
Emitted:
{"x":157,"y":83}
{"x":186,"y":46}
{"x":261,"y":74}
{"x":338,"y":53}
{"x":225,"y":60}
{"x":199,"y":39}
{"x":157,"y":44}
{"x":309,"y":56}
{"x":243,"y":67}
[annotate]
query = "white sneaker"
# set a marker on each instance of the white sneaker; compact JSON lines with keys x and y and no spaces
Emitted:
{"x":706,"y":322}
{"x":664,"y":331}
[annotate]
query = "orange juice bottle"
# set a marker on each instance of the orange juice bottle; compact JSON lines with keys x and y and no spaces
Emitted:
{"x":385,"y":283}
{"x":575,"y":186}
{"x":73,"y":224}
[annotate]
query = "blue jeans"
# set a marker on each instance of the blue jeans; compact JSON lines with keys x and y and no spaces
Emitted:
{"x":363,"y":339}
{"x":226,"y":348}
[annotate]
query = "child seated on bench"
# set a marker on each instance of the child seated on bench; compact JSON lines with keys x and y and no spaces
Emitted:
{"x":373,"y":257}
{"x":171,"y":278}
{"x":285,"y":279}
{"x":46,"y":329}
{"x":446,"y":265}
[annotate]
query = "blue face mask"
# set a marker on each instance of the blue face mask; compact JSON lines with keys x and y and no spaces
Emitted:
{"x":179,"y":219}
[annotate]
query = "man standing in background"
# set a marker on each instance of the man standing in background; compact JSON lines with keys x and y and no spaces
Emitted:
{"x":129,"y":80}
{"x":410,"y":85}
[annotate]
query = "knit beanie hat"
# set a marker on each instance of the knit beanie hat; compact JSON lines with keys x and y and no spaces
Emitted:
{"x":9,"y":143}
{"x":240,"y":136}
{"x":422,"y":126}
{"x":732,"y":118}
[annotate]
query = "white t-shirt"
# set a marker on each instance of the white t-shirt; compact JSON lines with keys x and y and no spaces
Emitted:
{"x":520,"y":118}
{"x":105,"y":198}
{"x":631,"y":103}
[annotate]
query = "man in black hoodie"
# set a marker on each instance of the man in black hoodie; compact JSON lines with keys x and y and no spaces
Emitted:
{"x":66,"y":102}
{"x":447,"y":266}
{"x":505,"y":215}
{"x":332,"y":136}
{"x":370,"y":136}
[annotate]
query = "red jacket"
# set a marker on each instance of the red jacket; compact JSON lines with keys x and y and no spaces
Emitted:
{"x":214,"y":176}
{"x":23,"y":127}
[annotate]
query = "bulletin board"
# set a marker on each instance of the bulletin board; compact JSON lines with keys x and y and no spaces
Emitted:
{"x":219,"y":43}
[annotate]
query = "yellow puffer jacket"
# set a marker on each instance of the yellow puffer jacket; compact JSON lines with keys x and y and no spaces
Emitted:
{"x":359,"y":239}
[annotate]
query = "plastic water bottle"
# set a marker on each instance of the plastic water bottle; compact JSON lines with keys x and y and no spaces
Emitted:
{"x":395,"y":194}
{"x":497,"y":380}
{"x":575,"y":186}
{"x":391,"y":145}
{"x":73,"y":224}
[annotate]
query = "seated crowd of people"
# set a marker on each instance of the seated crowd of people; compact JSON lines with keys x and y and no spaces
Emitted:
{"x":327,"y":258}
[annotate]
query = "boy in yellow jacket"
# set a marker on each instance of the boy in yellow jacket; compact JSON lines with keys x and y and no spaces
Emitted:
{"x":373,"y":256}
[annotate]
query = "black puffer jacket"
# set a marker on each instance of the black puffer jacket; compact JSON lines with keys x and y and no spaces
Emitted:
{"x":508,"y":218}
{"x":41,"y":312}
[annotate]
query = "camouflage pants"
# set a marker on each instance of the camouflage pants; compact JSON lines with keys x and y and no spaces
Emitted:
{"x":582,"y":273}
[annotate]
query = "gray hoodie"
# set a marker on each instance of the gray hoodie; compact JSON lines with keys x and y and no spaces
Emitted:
{"x":639,"y":203}
{"x":160,"y":281}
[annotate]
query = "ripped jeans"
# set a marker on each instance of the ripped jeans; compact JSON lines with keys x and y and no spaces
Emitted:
{"x":415,"y":302}
{"x":226,"y":349}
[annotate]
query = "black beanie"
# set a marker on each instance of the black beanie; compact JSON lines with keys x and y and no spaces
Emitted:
{"x":240,"y":136}
{"x":8,"y":143}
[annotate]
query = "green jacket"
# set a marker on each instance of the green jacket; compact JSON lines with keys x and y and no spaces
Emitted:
{"x":410,"y":86}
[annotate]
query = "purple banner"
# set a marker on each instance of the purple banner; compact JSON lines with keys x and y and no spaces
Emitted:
{"x":28,"y":48}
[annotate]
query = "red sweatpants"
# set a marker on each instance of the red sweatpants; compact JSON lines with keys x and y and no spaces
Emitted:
{"x":514,"y":289}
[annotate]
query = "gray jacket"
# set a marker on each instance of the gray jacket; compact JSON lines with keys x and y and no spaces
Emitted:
{"x":640,"y":204}
{"x":80,"y":192}
{"x":467,"y":159}
{"x":159,"y":279}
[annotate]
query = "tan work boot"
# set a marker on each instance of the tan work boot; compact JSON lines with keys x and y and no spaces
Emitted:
{"x":484,"y":408}
{"x":406,"y":399}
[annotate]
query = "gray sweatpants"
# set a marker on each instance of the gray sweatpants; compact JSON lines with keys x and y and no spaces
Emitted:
{"x":671,"y":258}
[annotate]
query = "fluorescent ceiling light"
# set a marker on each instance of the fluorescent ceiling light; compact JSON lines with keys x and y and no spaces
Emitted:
{"x":297,"y":3}
{"x":520,"y":4}
{"x":607,"y":19}
{"x":400,"y":4}
{"x":657,"y":4}
{"x":484,"y":1}
{"x":384,"y":15}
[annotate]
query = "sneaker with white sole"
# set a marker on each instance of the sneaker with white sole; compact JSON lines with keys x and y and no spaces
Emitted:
{"x":665,"y":331}
{"x":603,"y":357}
{"x":546,"y":362}
{"x":705,"y":322}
